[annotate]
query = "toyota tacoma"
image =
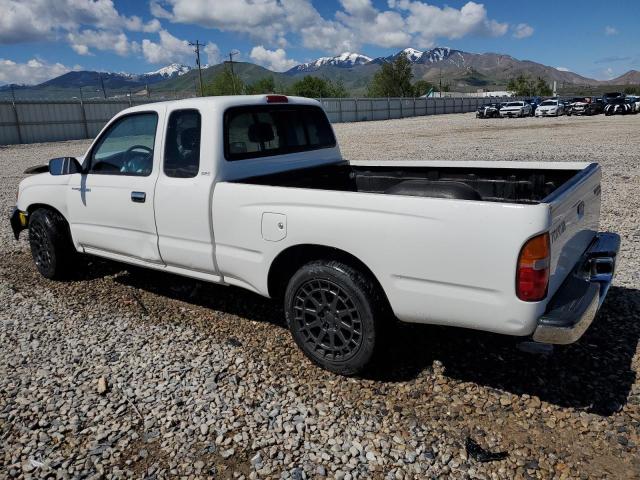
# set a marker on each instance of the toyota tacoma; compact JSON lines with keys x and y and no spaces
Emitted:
{"x":252,"y":191}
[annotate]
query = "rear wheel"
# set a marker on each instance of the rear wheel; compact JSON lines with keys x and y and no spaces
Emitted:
{"x":50,"y":241}
{"x":333,"y":313}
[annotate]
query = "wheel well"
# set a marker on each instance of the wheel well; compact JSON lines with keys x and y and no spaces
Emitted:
{"x":37,"y":206}
{"x":291,"y":259}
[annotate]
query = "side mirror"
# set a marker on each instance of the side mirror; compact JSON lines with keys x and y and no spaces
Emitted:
{"x":64,"y":166}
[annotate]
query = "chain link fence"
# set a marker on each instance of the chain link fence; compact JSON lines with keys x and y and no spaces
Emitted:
{"x":33,"y":121}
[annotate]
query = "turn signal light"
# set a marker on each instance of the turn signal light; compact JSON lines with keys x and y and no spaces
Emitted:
{"x":532,"y":277}
{"x":277,"y":99}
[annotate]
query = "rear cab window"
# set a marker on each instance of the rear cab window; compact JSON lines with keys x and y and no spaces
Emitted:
{"x":267,"y":130}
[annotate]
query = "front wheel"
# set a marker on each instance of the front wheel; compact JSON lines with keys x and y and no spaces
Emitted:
{"x":50,"y":241}
{"x":333,"y":313}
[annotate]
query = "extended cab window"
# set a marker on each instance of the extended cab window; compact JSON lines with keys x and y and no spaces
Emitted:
{"x":264,"y":130}
{"x":182,"y":147}
{"x":127,"y":147}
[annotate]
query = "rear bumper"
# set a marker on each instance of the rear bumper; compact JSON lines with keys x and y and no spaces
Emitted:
{"x":573,"y":308}
{"x":19,"y":221}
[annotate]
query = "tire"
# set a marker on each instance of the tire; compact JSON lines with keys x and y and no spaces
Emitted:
{"x":51,"y":246}
{"x":343,"y":343}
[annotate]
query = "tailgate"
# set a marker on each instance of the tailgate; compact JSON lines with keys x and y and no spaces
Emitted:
{"x":575,"y":216}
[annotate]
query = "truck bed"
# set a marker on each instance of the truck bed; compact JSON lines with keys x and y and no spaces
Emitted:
{"x":507,"y":185}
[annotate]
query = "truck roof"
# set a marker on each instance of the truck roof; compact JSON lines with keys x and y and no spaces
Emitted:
{"x":223,"y":102}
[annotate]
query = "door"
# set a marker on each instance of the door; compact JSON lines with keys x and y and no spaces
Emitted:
{"x":111,"y":205}
{"x":183,"y":196}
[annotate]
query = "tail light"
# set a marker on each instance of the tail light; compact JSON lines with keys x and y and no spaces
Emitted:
{"x":277,"y":99}
{"x":532,"y":277}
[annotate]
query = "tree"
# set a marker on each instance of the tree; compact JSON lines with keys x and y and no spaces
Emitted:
{"x":421,"y":87}
{"x":317,"y":87}
{"x":542,"y":88}
{"x":393,"y":79}
{"x":523,"y":86}
{"x":264,"y":85}
{"x":225,"y":83}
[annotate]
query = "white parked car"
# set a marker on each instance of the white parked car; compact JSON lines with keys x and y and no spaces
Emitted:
{"x":516,"y":109}
{"x":252,"y":191}
{"x":550,"y":108}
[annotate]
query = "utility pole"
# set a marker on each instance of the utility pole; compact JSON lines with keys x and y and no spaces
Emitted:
{"x":197,"y":44}
{"x":233,"y":77}
{"x":104,"y":92}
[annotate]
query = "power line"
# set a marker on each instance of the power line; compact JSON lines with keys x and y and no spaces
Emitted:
{"x":197,"y":44}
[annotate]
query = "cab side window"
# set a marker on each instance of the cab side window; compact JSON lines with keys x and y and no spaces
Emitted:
{"x":127,"y":147}
{"x":182,"y":147}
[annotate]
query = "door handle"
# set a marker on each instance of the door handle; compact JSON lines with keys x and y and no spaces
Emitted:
{"x":138,"y":197}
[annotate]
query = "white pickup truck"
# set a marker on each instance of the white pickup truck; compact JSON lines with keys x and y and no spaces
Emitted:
{"x":252,"y":191}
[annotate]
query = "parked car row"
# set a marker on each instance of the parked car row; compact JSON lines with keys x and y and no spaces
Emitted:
{"x":610,"y":104}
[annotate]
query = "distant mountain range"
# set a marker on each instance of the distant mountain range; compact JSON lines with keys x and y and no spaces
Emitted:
{"x":344,"y":60}
{"x":459,"y":70}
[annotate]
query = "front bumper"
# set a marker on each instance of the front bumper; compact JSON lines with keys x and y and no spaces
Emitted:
{"x":19,"y":221}
{"x":573,"y":308}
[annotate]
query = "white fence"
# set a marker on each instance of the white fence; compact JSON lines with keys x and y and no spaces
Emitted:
{"x":34,"y":121}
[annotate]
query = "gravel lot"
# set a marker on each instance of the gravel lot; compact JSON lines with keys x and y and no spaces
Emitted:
{"x":123,"y":373}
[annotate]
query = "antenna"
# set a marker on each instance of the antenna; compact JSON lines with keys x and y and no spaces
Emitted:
{"x":197,"y":44}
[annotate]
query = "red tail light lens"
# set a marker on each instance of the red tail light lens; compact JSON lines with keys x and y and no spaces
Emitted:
{"x":277,"y":99}
{"x":532,"y":277}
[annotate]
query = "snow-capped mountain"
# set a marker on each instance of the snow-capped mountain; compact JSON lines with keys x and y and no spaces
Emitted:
{"x":439,"y":54}
{"x":344,"y":60}
{"x":432,"y":55}
{"x":412,"y":54}
{"x":117,"y":80}
{"x":171,"y":70}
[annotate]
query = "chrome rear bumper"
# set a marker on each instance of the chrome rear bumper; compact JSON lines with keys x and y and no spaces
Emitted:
{"x":573,"y":308}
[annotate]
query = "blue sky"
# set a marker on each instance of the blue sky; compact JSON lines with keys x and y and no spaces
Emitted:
{"x":40,"y":39}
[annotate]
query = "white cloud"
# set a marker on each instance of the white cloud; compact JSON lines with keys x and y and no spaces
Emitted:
{"x":272,"y":59}
{"x":370,"y":25}
{"x":609,"y":30}
{"x":358,"y":22}
{"x":169,"y":49}
{"x":32,"y":20}
{"x":563,"y":69}
{"x":212,"y":52}
{"x":262,"y":19}
{"x":429,"y":22}
{"x":522,"y":30}
{"x":608,"y":73}
{"x":32,"y":72}
{"x":104,"y":40}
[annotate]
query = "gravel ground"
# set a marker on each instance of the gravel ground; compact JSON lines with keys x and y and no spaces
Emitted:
{"x":121,"y":373}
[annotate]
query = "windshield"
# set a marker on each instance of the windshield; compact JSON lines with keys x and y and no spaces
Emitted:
{"x":548,"y":103}
{"x":514,"y":104}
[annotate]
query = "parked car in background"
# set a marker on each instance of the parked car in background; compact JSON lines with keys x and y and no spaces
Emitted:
{"x":252,"y":191}
{"x":634,"y":101}
{"x":584,"y":106}
{"x":550,"y":108}
{"x":597,"y":105}
{"x":618,"y":106}
{"x":516,"y":109}
{"x":534,"y":102}
{"x":608,"y":97}
{"x":490,"y":110}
